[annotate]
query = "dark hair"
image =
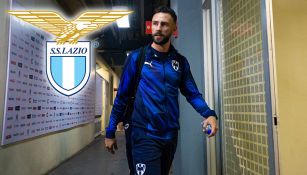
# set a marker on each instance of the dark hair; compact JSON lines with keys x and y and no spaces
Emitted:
{"x":164,"y":9}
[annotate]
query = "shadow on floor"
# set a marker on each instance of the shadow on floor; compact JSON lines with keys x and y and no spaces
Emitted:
{"x":95,"y":160}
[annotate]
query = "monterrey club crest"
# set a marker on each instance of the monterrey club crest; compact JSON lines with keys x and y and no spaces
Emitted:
{"x":140,"y":168}
{"x":175,"y":65}
{"x":68,"y":66}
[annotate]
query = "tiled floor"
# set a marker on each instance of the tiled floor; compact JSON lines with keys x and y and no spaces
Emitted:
{"x":95,"y":160}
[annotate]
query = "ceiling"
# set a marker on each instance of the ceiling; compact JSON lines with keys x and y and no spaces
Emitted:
{"x":113,"y":42}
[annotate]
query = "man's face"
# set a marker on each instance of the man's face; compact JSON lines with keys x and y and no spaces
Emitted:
{"x":163,"y":27}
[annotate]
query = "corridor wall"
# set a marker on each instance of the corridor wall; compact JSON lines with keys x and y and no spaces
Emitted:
{"x":290,"y":38}
{"x":190,"y":157}
{"x":106,"y":73}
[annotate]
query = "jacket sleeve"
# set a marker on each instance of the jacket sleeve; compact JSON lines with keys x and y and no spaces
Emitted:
{"x":189,"y":89}
{"x":125,"y":91}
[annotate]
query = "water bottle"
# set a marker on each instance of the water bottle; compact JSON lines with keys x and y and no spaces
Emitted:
{"x":208,"y":129}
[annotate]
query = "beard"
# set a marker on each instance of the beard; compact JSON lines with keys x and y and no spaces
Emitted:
{"x":164,"y":39}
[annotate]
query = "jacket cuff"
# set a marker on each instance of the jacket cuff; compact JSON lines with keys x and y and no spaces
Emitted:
{"x":210,"y":113}
{"x":110,"y":134}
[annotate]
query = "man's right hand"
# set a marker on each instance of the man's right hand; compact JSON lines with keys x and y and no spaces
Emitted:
{"x":111,"y":145}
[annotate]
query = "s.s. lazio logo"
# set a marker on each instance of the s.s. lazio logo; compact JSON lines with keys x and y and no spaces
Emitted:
{"x":68,"y":66}
{"x":68,"y":60}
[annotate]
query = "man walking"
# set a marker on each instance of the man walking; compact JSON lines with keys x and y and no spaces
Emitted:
{"x":155,"y":118}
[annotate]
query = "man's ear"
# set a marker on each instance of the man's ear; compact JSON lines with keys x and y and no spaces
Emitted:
{"x":175,"y":27}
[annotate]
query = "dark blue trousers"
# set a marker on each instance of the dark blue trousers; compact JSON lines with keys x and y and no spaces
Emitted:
{"x":152,"y":156}
{"x":129,"y":149}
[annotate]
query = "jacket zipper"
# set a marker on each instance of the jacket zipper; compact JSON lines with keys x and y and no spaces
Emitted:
{"x":165,"y":92}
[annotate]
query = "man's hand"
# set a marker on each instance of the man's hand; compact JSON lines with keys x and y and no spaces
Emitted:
{"x":211,"y":120}
{"x":111,"y":145}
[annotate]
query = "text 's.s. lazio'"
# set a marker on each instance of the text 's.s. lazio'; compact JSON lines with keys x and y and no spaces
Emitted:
{"x":72,"y":50}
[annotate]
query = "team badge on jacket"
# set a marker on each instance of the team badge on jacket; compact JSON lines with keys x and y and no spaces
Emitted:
{"x":140,"y":168}
{"x":175,"y":65}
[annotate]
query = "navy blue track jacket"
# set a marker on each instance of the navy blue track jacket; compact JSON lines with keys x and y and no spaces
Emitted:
{"x":156,"y":107}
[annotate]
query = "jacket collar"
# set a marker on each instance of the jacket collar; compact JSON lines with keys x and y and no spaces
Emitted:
{"x":151,"y":52}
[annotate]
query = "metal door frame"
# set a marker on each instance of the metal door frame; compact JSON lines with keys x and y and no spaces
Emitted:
{"x":270,"y":87}
{"x":214,"y":162}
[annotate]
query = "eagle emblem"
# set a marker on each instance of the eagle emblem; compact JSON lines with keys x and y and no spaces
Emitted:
{"x":69,"y":31}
